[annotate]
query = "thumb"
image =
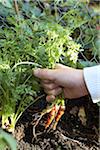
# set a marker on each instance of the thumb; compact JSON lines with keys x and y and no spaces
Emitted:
{"x":44,"y":74}
{"x":60,"y":66}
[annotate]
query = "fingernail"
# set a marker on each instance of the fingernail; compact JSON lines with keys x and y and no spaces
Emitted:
{"x":50,"y":98}
{"x":36,"y":72}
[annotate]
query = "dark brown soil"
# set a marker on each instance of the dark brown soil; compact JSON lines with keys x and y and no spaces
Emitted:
{"x":73,"y":132}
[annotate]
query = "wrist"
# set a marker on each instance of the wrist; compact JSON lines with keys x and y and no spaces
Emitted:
{"x":83,"y":84}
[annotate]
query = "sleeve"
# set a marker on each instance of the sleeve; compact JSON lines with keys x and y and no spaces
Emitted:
{"x":92,"y":80}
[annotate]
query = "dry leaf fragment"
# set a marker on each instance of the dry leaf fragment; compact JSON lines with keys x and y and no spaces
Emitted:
{"x":82,"y":115}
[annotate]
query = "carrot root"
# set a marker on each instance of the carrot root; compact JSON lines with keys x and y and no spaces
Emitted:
{"x":50,"y":117}
{"x":58,"y":116}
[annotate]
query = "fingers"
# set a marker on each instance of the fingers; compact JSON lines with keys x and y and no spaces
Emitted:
{"x":49,"y":85}
{"x":54,"y":92}
{"x":50,"y":98}
{"x":46,"y":81}
{"x":51,"y":80}
{"x":46,"y":74}
{"x":51,"y":89}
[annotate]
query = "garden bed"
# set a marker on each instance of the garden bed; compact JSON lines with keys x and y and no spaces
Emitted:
{"x":39,"y":34}
{"x":70,"y":134}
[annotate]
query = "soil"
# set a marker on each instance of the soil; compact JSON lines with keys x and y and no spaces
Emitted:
{"x":78,"y":129}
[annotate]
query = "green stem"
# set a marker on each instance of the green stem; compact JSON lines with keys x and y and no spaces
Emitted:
{"x":26,"y":63}
{"x":18,"y":114}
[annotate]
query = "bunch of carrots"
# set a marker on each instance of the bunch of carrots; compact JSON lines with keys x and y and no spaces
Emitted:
{"x":54,"y":111}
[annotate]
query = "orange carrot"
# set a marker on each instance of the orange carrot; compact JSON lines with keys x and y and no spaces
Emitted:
{"x":59,"y":115}
{"x":51,"y":116}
